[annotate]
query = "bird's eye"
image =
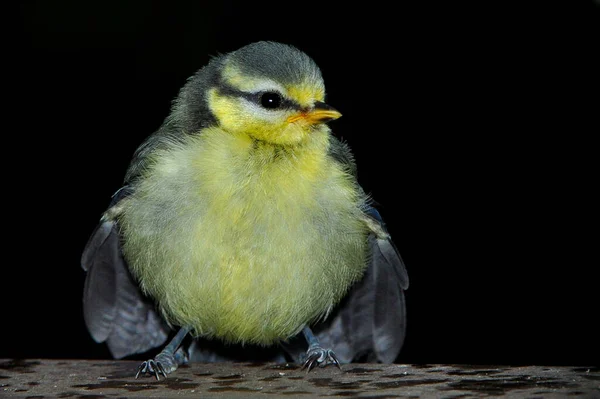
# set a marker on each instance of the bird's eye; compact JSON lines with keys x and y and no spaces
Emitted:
{"x":270,"y":100}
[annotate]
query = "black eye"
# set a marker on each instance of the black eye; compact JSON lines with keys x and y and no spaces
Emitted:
{"x":270,"y":100}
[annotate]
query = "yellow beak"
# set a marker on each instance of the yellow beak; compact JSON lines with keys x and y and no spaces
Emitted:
{"x":320,"y":113}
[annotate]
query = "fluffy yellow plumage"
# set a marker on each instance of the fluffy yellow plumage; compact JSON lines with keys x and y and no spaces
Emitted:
{"x":242,"y":242}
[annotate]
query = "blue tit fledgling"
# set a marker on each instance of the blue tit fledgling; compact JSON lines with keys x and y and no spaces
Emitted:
{"x":241,"y":221}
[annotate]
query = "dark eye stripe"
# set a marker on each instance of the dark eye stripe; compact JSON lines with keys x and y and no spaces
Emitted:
{"x":256,"y":98}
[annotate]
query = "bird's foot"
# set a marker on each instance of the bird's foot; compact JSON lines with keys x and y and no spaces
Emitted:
{"x":317,"y":356}
{"x":163,"y":363}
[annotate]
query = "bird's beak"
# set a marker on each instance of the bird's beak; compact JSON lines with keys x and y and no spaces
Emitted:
{"x":320,"y":113}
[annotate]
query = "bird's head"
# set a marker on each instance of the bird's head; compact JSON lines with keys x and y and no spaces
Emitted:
{"x":269,"y":91}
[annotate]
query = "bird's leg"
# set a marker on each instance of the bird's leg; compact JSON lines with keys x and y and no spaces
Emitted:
{"x":168,"y":359}
{"x":316,"y":355}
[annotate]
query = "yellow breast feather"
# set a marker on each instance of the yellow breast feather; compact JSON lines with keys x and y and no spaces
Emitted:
{"x":265,"y":219}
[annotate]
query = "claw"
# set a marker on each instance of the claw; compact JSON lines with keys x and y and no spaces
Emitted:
{"x":317,"y":356}
{"x":161,"y":370}
{"x":336,"y":362}
{"x":142,"y":366}
{"x":309,"y":364}
{"x":152,"y":367}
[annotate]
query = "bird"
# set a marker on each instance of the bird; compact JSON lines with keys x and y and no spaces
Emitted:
{"x":240,"y":224}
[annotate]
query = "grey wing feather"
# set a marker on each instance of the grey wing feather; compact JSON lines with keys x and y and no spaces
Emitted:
{"x":115,"y":311}
{"x":390,"y":280}
{"x":370,"y":323}
{"x":99,"y":304}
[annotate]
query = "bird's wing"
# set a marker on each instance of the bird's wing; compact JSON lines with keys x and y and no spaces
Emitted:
{"x":114,"y":309}
{"x":370,"y":323}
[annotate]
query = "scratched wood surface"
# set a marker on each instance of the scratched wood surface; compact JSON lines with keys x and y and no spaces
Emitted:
{"x":42,"y":378}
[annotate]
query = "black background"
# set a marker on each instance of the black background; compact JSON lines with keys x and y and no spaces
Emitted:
{"x":472,"y":124}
